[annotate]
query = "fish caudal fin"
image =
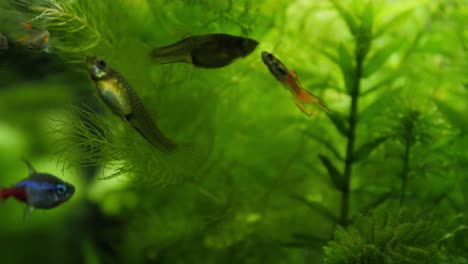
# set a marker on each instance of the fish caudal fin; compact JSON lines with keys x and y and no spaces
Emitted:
{"x":166,"y":55}
{"x":185,"y":151}
{"x":17,"y":193}
{"x":27,"y":25}
{"x":143,"y":124}
{"x":304,"y":96}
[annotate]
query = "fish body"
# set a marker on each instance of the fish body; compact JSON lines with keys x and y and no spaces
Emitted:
{"x":290,"y":81}
{"x":35,"y":39}
{"x":123,"y":101}
{"x":205,"y":51}
{"x":39,"y":190}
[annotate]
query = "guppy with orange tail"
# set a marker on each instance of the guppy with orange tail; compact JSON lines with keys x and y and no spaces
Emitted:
{"x":289,"y":80}
{"x":35,"y":39}
{"x":39,"y":190}
{"x":123,"y":101}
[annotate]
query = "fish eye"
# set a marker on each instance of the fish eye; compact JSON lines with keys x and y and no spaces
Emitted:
{"x":270,"y":56}
{"x":60,"y":189}
{"x":101,"y":63}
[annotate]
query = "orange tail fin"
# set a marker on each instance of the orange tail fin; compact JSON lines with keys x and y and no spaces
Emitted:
{"x":27,"y":25}
{"x":305,"y":96}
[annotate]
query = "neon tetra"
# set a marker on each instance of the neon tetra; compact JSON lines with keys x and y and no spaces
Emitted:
{"x":39,"y":190}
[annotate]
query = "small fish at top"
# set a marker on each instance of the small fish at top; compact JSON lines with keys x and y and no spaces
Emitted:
{"x":36,"y":39}
{"x":289,"y":80}
{"x":3,"y":43}
{"x":39,"y":190}
{"x":205,"y":51}
{"x":123,"y":101}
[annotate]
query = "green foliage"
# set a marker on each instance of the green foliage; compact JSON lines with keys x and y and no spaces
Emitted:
{"x":395,"y":236}
{"x":266,"y":183}
{"x":363,"y":151}
{"x":335,"y":175}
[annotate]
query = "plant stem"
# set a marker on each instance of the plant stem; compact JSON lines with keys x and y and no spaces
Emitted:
{"x":404,"y":173}
{"x":352,"y":122}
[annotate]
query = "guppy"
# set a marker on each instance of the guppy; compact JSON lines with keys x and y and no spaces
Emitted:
{"x":39,"y":190}
{"x":35,"y":39}
{"x":123,"y":101}
{"x":205,"y":51}
{"x":289,"y":80}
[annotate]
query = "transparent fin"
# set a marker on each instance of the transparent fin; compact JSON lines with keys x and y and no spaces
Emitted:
{"x":305,"y":96}
{"x":27,"y":212}
{"x":30,"y":167}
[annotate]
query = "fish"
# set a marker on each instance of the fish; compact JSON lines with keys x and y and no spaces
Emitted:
{"x":122,"y":100}
{"x":39,"y":190}
{"x":205,"y":51}
{"x":3,"y":43}
{"x":35,"y":39}
{"x":290,"y":81}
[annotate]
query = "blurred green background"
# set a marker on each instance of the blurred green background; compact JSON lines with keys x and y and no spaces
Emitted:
{"x":382,"y":180}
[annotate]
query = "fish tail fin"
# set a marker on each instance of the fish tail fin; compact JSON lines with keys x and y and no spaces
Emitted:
{"x":3,"y":196}
{"x":23,"y":38}
{"x":27,"y":25}
{"x":166,"y":55}
{"x":17,"y":193}
{"x":185,"y":151}
{"x":307,"y":97}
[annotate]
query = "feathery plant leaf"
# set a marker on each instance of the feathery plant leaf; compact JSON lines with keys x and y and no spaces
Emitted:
{"x":363,"y":151}
{"x":335,"y":175}
{"x":380,"y":199}
{"x":320,"y":139}
{"x":455,"y":118}
{"x":345,"y":61}
{"x":339,"y":122}
{"x":395,"y":236}
{"x":84,"y":131}
{"x":305,"y":241}
{"x":346,"y":16}
{"x":316,"y":207}
{"x":376,"y":62}
{"x":73,"y":27}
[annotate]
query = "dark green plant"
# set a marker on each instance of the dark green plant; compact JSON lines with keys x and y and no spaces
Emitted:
{"x":272,"y":185}
{"x":386,"y":236}
{"x":354,"y":67}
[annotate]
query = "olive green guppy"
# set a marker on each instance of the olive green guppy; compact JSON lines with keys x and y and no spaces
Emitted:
{"x":123,"y":101}
{"x":205,"y":51}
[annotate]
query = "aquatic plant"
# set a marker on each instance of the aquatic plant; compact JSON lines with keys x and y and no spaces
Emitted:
{"x":386,"y":236}
{"x":267,"y":184}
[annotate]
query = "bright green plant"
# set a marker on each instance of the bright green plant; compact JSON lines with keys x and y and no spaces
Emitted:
{"x":268,"y":184}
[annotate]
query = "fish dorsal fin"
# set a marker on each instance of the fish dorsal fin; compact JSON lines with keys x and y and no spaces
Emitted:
{"x":292,"y":77}
{"x":30,"y":167}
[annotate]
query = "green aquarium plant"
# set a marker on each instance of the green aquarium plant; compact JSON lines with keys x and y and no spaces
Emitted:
{"x":377,"y":177}
{"x":386,"y":236}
